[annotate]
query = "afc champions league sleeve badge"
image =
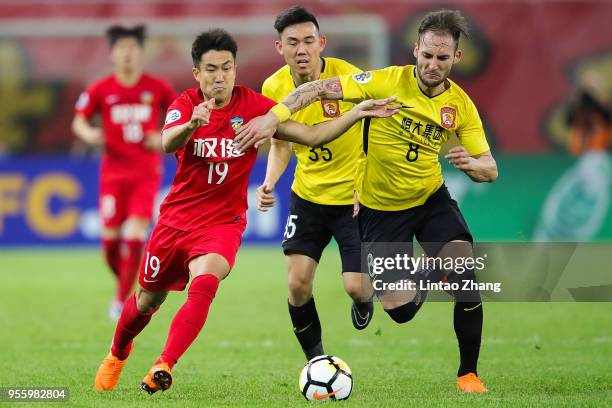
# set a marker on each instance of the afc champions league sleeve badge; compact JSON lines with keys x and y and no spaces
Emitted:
{"x":447,"y":117}
{"x":363,"y":77}
{"x":83,"y":101}
{"x":172,"y":116}
{"x":331,"y":109}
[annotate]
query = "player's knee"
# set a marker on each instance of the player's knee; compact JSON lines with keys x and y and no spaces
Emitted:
{"x":355,"y":292}
{"x":212,"y":263}
{"x":358,"y":289}
{"x":466,"y":281}
{"x":300,"y":287}
{"x":136,"y":229}
{"x":110,"y":233}
{"x":403,"y":313}
{"x":146,"y":305}
{"x":456,"y":249}
{"x":148,"y":302}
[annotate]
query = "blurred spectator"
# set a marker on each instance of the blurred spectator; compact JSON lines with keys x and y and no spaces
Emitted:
{"x":589,"y":122}
{"x":579,"y":202}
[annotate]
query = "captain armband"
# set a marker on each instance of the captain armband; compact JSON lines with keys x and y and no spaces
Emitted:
{"x":281,"y":111}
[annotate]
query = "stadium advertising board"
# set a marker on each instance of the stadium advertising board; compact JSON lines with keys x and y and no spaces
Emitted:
{"x":53,"y":200}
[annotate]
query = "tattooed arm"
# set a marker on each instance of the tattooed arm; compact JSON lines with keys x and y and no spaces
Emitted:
{"x":326,"y":132}
{"x":262,"y":128}
{"x":250,"y":135}
{"x":309,"y":92}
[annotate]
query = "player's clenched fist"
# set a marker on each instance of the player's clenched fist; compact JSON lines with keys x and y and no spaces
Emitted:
{"x":201,"y":114}
{"x":265,"y":197}
{"x":459,"y":157}
{"x":93,"y":136}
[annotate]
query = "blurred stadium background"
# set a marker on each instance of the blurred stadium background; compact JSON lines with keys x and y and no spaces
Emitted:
{"x":527,"y":67}
{"x":540,"y":72}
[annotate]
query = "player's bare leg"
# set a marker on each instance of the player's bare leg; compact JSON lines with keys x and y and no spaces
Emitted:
{"x":136,"y":228}
{"x":302,"y":309}
{"x":359,"y":287}
{"x":134,"y":318}
{"x":206,"y":272}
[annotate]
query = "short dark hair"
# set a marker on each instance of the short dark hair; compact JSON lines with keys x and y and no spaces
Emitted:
{"x":445,"y":21}
{"x":294,"y":15}
{"x":215,"y":39}
{"x":117,"y":32}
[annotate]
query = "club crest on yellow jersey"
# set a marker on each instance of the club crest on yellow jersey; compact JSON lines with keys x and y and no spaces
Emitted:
{"x":448,"y":115}
{"x":331,"y":109}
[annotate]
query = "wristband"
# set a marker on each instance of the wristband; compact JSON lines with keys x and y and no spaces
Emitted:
{"x":281,"y":111}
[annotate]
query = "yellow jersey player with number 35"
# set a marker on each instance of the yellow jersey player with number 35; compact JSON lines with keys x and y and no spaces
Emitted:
{"x":321,"y":205}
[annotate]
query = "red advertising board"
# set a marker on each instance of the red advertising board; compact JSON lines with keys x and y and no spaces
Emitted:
{"x":523,"y":63}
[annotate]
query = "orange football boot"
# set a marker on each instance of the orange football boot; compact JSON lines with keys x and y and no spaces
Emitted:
{"x":108,"y":373}
{"x":470,"y":383}
{"x":158,"y":378}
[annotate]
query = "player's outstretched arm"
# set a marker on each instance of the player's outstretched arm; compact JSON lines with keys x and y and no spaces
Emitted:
{"x":176,"y":137}
{"x":153,"y":141}
{"x":259,"y":129}
{"x":326,"y":132}
{"x":305,"y":94}
{"x":89,"y":134}
{"x":480,"y":168}
{"x":278,"y":159}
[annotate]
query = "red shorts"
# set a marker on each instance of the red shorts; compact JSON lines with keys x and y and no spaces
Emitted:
{"x":166,"y":259}
{"x":124,"y":198}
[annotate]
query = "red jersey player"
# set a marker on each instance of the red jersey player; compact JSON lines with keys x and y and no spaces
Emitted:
{"x":203,"y":217}
{"x":130,"y":104}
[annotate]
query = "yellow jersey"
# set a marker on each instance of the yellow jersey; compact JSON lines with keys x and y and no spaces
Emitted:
{"x":324,"y":174}
{"x":401,"y":168}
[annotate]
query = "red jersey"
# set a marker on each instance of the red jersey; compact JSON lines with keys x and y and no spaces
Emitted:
{"x":128,"y":114}
{"x":211,"y":181}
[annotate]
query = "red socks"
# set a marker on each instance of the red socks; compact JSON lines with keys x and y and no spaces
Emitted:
{"x":112,"y":254}
{"x":130,"y":324}
{"x":185,"y":327}
{"x":190,"y":318}
{"x":124,"y":265}
{"x":129,"y":268}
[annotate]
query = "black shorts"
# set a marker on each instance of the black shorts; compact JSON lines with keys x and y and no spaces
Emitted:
{"x":434,"y":223}
{"x":311,"y":226}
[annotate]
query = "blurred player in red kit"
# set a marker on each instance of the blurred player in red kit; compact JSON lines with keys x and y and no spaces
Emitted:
{"x":203,"y":217}
{"x":130,"y":104}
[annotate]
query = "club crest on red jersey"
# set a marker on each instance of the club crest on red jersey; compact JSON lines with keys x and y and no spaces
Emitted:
{"x":146,"y":97}
{"x":331,"y":109}
{"x":236,"y":122}
{"x":448,"y":116}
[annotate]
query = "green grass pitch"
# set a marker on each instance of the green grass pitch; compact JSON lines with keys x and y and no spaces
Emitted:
{"x":55,"y":331}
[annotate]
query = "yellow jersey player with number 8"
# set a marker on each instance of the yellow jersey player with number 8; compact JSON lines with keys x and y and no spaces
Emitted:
{"x":323,"y":188}
{"x":400,"y":184}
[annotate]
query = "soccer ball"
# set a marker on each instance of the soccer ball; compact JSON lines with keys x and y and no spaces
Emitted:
{"x":326,"y":378}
